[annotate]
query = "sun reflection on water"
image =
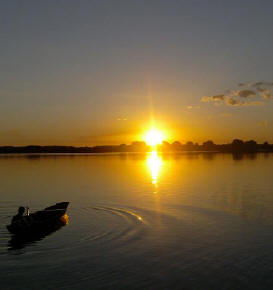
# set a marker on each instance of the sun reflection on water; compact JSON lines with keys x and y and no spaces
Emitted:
{"x":154,"y":163}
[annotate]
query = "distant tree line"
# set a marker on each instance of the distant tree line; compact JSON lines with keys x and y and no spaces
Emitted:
{"x":236,"y":146}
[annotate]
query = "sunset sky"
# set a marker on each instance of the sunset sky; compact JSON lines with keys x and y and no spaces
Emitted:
{"x":98,"y":72}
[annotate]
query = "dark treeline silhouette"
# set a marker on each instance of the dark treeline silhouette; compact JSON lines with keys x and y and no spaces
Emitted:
{"x":236,"y":146}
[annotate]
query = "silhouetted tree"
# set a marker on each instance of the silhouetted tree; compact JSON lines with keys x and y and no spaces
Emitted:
{"x":189,"y":146}
{"x":176,"y":146}
{"x":250,"y":145}
{"x":208,"y":145}
{"x":237,"y":145}
{"x":139,"y":146}
{"x":165,"y":146}
{"x":123,"y":147}
{"x":237,"y":142}
{"x":265,"y":146}
{"x":189,"y":143}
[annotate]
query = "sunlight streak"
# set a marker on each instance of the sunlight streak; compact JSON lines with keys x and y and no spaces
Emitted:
{"x":154,"y":164}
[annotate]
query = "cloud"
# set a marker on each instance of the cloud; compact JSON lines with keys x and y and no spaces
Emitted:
{"x":213,"y":98}
{"x":246,"y":93}
{"x":266,"y":94}
{"x":258,"y":91}
{"x":257,"y":84}
{"x":261,"y":89}
{"x":233,"y":102}
{"x":193,"y":107}
{"x":253,"y":104}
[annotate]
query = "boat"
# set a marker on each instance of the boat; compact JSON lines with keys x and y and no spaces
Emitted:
{"x":20,"y":241}
{"x":39,"y":221}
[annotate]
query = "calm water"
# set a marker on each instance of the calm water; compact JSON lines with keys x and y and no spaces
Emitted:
{"x":188,"y":221}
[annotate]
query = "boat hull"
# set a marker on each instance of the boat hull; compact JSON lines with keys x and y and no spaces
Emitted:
{"x":40,"y":220}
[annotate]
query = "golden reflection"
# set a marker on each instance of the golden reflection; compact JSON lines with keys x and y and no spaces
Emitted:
{"x":154,"y":163}
{"x":64,"y":219}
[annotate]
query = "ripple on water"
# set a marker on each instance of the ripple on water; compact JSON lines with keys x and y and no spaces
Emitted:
{"x":103,"y":244}
{"x":87,"y":224}
{"x":108,"y":224}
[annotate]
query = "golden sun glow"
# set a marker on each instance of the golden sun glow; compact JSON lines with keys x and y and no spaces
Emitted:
{"x":153,"y":137}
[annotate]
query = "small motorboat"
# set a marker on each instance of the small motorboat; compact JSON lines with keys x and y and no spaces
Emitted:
{"x":39,"y":221}
{"x":22,"y":240}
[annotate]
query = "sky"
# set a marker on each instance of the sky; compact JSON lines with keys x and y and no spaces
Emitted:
{"x":99,"y":72}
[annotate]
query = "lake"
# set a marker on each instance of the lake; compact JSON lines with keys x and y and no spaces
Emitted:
{"x":141,"y":221}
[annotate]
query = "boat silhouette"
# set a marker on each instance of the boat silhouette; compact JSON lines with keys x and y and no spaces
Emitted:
{"x":20,"y":241}
{"x":40,"y":221}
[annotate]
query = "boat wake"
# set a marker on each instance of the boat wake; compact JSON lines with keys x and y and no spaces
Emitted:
{"x":130,"y":215}
{"x":109,"y":224}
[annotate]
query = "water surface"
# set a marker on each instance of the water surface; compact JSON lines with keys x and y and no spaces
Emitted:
{"x":141,"y":221}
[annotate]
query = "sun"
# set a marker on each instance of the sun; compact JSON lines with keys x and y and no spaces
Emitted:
{"x":153,"y":137}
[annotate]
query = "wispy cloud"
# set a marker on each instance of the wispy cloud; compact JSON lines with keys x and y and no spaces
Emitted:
{"x":255,"y":84}
{"x":253,"y":104}
{"x":213,"y":98}
{"x":122,"y":119}
{"x":264,"y":89}
{"x":191,"y":107}
{"x":230,"y":101}
{"x":266,"y":94}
